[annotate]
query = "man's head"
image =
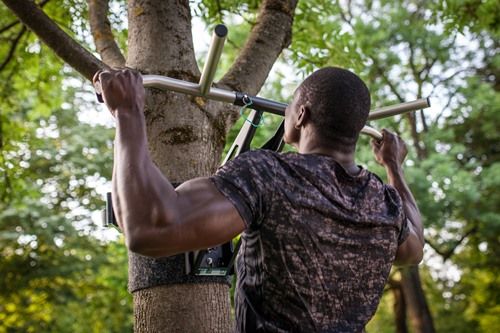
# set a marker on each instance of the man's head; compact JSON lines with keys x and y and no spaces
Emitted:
{"x":335,"y":102}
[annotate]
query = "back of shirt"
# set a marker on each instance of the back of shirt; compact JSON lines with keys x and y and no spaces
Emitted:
{"x":319,"y":243}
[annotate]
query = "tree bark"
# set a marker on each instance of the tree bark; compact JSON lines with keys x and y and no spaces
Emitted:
{"x":208,"y":312}
{"x":103,"y":36}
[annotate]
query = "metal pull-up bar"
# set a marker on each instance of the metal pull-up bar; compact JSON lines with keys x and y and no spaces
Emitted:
{"x":204,"y":89}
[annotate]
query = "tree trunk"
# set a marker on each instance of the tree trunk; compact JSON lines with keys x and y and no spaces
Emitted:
{"x":185,"y":142}
{"x":186,"y":137}
{"x":417,"y":308}
{"x":399,"y":308}
{"x":207,"y":312}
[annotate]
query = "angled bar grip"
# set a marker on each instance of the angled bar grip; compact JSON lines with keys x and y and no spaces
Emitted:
{"x":393,"y":110}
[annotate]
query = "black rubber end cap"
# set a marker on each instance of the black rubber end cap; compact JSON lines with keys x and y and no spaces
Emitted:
{"x":428,"y":101}
{"x":220,"y":30}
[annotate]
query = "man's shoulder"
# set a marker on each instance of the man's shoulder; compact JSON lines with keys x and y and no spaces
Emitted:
{"x":255,"y":153}
{"x":261,"y":156}
{"x":253,"y":163}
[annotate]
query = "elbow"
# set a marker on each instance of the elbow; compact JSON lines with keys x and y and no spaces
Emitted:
{"x":136,"y":245}
{"x":146,"y":243}
{"x":138,"y":242}
{"x":149,"y":232}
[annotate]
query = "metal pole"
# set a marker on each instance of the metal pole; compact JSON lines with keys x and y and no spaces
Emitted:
{"x":238,"y":98}
{"x":188,"y":88}
{"x":393,"y":110}
{"x":213,"y":56}
{"x":263,"y":104}
{"x":396,"y":109}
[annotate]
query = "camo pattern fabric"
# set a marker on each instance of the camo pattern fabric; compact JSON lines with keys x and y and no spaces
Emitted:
{"x":319,"y":243}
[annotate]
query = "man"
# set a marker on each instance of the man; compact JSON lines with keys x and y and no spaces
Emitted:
{"x":319,"y":233}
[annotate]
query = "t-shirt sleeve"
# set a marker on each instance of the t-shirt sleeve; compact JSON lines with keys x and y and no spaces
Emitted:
{"x":395,"y":201}
{"x":247,"y":182}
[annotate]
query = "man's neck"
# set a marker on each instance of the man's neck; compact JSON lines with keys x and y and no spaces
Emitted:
{"x":345,"y":157}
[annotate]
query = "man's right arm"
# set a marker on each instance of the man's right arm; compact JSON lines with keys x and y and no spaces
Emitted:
{"x":391,"y":152}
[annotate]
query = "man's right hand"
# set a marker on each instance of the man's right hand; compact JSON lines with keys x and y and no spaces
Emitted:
{"x":390,"y":151}
{"x":121,"y":89}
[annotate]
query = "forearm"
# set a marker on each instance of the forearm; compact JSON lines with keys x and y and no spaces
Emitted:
{"x":114,"y":193}
{"x":396,"y":178}
{"x":143,"y":193}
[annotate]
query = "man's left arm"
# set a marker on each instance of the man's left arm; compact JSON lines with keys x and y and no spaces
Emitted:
{"x":158,"y":220}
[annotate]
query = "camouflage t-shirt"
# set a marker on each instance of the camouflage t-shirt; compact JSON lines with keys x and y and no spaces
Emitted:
{"x":319,"y":243}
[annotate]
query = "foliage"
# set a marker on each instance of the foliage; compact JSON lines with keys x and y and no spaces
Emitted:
{"x":57,"y":276}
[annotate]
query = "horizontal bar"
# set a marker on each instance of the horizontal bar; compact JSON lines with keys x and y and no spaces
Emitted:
{"x":213,"y":56}
{"x":396,"y":109}
{"x":185,"y":87}
{"x":267,"y":105}
{"x":260,"y":104}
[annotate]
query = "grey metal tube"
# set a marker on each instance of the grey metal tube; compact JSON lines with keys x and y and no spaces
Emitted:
{"x":393,"y":110}
{"x":185,"y":87}
{"x":262,"y":104}
{"x":213,"y":56}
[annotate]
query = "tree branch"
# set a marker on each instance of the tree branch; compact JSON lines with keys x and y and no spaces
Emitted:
{"x":447,"y":253}
{"x":62,"y":44}
{"x":103,"y":36}
{"x":16,"y":22}
{"x":386,"y":79}
{"x":268,"y":38}
{"x":343,"y":15}
{"x":8,"y":26}
{"x":12,"y":49}
{"x":411,"y":61}
{"x":447,"y":79}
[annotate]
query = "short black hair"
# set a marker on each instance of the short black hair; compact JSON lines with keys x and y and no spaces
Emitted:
{"x":339,"y":102}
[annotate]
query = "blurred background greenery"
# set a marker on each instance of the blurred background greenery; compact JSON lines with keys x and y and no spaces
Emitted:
{"x":61,"y":272}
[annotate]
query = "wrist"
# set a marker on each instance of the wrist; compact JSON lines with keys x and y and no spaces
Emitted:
{"x":128,"y":112}
{"x":130,"y":125}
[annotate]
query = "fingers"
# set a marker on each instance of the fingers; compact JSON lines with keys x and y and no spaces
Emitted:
{"x":105,"y":79}
{"x":95,"y":78}
{"x":107,"y":74}
{"x":376,"y":144}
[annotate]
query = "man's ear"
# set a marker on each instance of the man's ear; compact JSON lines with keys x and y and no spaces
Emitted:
{"x":303,"y":116}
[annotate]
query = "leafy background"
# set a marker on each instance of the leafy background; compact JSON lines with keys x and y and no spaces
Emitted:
{"x":61,"y":271}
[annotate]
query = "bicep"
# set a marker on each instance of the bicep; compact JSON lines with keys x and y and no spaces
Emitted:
{"x":205,"y":218}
